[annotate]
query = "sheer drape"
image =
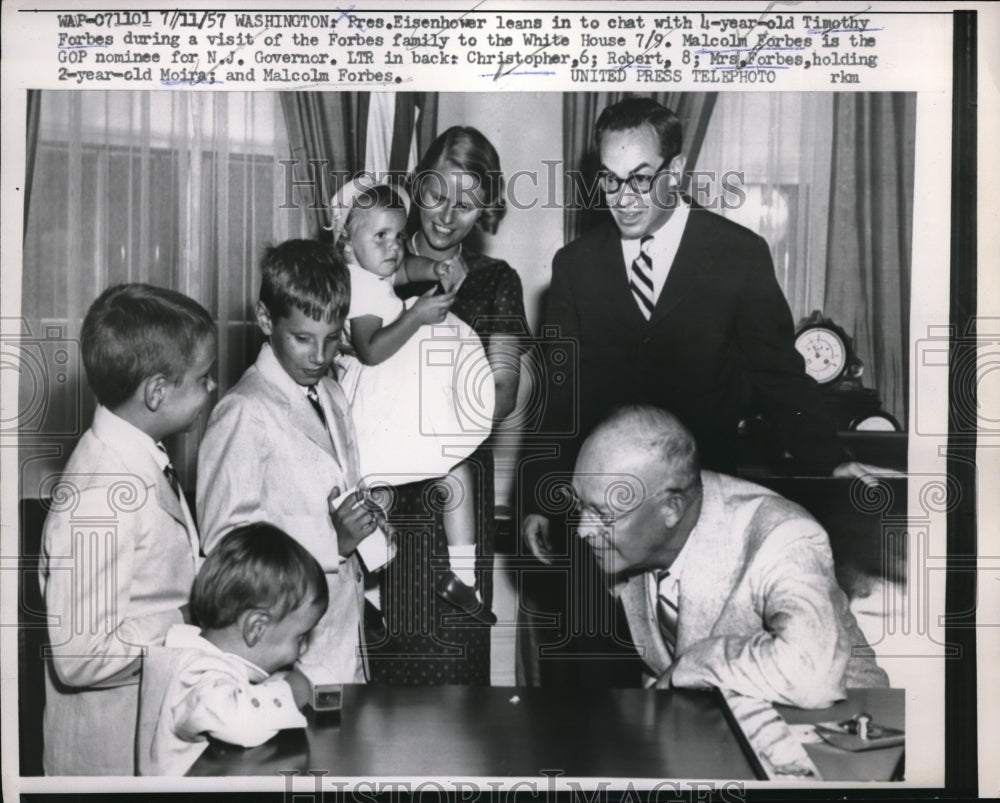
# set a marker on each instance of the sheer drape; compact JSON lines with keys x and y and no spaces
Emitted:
{"x":33,"y":107}
{"x":580,"y":112}
{"x":827,"y":181}
{"x":179,"y":189}
{"x":776,"y":148}
{"x":871,"y":210}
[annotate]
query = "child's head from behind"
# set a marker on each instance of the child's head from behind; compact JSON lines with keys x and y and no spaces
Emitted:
{"x":265,"y":586}
{"x":373,"y":232}
{"x":151,"y":348}
{"x":305,"y":292}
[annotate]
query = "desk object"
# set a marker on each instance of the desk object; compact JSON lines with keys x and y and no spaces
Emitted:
{"x":325,"y":693}
{"x":883,"y":762}
{"x":830,"y":359}
{"x":886,"y":708}
{"x":467,"y":731}
{"x":375,"y":550}
{"x":859,"y":733}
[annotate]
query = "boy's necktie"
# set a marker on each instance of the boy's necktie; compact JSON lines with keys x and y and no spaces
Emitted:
{"x":666,"y":616}
{"x":313,"y":395}
{"x":641,"y":279}
{"x":189,"y":525}
{"x":171,"y":474}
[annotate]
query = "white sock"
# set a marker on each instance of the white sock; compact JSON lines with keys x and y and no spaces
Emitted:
{"x":462,"y":561}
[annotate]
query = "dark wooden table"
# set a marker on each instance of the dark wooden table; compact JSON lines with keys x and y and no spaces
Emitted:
{"x":456,"y":731}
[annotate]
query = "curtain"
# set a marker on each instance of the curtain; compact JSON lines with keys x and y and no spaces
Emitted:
{"x":580,"y":112}
{"x":31,"y":142}
{"x":401,"y":125}
{"x":777,"y":149}
{"x":333,"y":135}
{"x":871,"y":206}
{"x":827,"y":180}
{"x":325,"y":138}
{"x":178,"y":189}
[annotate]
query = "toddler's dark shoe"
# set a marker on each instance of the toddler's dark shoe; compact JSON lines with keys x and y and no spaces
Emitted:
{"x":374,"y":624}
{"x":463,"y":597}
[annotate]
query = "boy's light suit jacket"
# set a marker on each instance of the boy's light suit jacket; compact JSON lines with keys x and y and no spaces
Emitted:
{"x":266,"y":456}
{"x":117,"y":564}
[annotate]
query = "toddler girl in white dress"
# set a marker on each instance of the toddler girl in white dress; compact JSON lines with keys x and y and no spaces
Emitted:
{"x":423,"y":394}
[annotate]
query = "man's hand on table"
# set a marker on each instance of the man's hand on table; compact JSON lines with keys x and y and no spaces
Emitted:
{"x":867,"y":473}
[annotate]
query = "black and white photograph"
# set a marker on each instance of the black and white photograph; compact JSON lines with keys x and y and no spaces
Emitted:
{"x":602,"y":421}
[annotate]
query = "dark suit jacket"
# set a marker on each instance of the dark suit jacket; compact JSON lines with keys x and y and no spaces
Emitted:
{"x":720,"y":320}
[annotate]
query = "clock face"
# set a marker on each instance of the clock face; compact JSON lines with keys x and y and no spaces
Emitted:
{"x":824,"y":352}
{"x":876,"y":422}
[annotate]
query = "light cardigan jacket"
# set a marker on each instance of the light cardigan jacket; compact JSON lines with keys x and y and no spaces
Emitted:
{"x":266,"y":457}
{"x":759,"y":608}
{"x":192,"y":690}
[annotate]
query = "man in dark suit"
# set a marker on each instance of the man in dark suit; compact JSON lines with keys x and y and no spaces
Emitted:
{"x":671,"y":305}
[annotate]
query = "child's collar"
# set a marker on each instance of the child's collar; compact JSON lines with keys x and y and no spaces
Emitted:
{"x":189,"y":636}
{"x":118,"y":431}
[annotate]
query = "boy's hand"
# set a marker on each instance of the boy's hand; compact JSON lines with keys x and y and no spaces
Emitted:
{"x":301,"y":688}
{"x":665,"y":680}
{"x":451,"y":272}
{"x":353,"y":521}
{"x":431,"y":308}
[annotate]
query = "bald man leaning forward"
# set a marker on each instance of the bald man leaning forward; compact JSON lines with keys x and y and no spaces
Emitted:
{"x":724,"y":583}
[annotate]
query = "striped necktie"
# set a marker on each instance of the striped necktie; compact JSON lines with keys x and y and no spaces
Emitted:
{"x":666,"y":616}
{"x":641,"y":278}
{"x":313,"y":395}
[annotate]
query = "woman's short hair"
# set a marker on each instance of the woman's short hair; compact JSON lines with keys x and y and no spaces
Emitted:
{"x":467,"y":150}
{"x":256,"y":566}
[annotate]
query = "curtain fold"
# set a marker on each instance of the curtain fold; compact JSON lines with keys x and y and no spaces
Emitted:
{"x":806,"y":279}
{"x":330,"y":136}
{"x":325,"y":139}
{"x":871,"y":205}
{"x":427,"y":122}
{"x":34,"y":104}
{"x":580,"y":112}
{"x":775,"y":148}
